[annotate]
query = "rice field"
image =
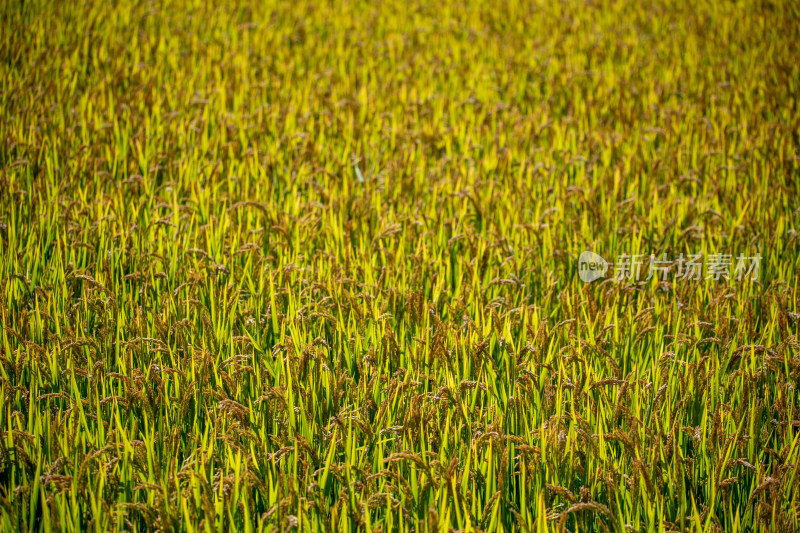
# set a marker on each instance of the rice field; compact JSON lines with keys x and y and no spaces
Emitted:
{"x":319,"y":266}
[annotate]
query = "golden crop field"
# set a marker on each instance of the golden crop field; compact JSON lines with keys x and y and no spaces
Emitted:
{"x":320,"y":266}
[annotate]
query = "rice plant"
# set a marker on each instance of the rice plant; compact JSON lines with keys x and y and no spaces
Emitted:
{"x":314,"y":266}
